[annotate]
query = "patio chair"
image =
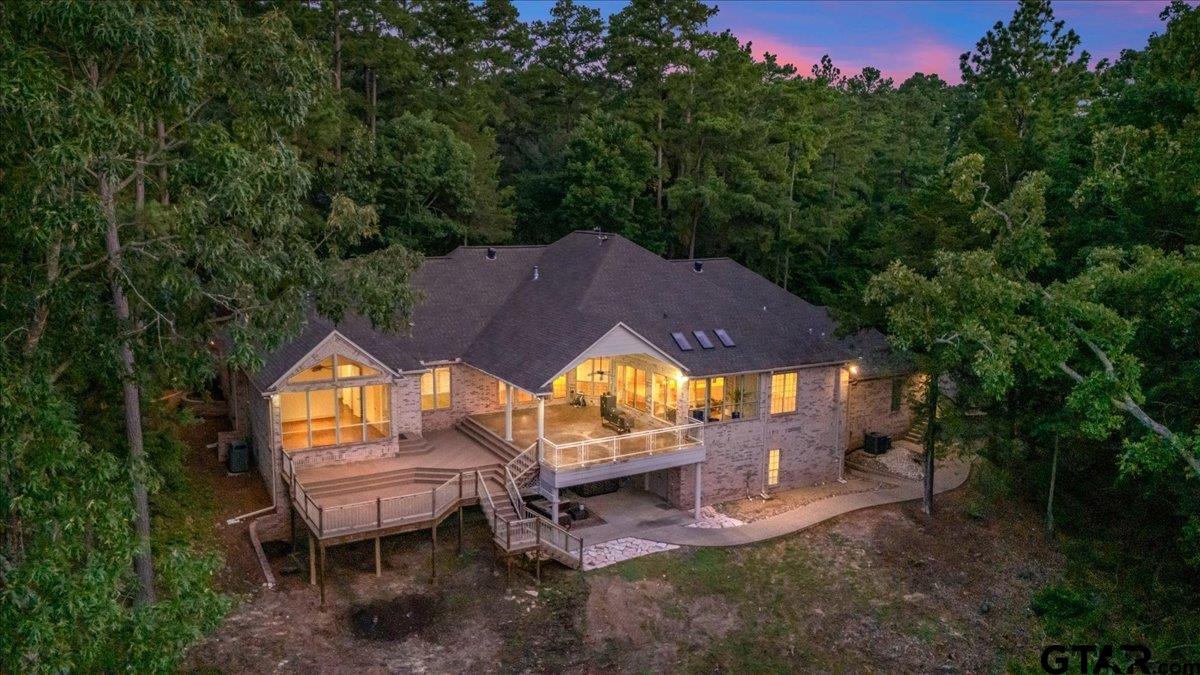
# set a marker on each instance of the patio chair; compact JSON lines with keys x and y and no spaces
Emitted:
{"x":613,"y":418}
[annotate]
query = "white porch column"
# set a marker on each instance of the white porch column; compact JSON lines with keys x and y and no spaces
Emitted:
{"x":541,"y":425}
{"x":696,"y":508}
{"x":554,"y":506}
{"x":508,"y":402}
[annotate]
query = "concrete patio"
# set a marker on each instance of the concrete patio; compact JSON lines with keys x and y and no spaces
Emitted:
{"x":628,"y":512}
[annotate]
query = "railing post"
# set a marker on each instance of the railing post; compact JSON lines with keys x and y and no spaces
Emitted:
{"x":320,"y":520}
{"x":433,"y":503}
{"x":378,"y":512}
{"x":460,"y":486}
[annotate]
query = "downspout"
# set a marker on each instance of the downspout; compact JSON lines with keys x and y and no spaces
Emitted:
{"x":837,"y":420}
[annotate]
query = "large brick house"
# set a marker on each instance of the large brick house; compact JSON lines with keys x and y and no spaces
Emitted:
{"x":731,"y":386}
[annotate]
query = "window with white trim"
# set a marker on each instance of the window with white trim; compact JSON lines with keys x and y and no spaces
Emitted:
{"x":783,"y":393}
{"x":435,"y":389}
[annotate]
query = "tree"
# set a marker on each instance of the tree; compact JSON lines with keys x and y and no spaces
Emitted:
{"x":983,"y":313}
{"x":607,"y":168}
{"x":155,"y":201}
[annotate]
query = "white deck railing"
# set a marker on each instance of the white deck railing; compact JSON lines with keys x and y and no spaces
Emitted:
{"x":635,"y":445}
{"x":382,"y":512}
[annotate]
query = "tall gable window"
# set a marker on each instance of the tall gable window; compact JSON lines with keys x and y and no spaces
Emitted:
{"x":337,"y":416}
{"x":336,"y":367}
{"x":783,"y":393}
{"x":342,"y":412}
{"x":591,"y":378}
{"x":435,"y":389}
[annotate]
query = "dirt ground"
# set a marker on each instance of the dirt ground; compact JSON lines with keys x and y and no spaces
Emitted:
{"x":883,"y":590}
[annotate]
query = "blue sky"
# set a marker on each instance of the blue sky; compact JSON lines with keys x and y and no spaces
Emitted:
{"x":901,"y":37}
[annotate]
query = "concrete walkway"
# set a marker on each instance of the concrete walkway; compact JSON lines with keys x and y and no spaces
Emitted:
{"x":950,"y":475}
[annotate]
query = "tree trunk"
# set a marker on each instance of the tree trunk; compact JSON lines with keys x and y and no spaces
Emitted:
{"x":1050,"y":496}
{"x":142,"y":561}
{"x":658,"y":162}
{"x":163,"y":195}
{"x":372,"y":92}
{"x":337,"y":48}
{"x":930,"y":435}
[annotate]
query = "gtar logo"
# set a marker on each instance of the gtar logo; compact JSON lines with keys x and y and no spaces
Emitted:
{"x":1059,"y":659}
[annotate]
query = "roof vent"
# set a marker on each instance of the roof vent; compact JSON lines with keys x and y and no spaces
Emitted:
{"x":491,"y":253}
{"x":536,"y":273}
{"x":697,"y":265}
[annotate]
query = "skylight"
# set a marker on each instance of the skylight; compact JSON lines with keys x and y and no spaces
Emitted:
{"x":724,"y":337}
{"x":682,"y":341}
{"x":702,"y":338}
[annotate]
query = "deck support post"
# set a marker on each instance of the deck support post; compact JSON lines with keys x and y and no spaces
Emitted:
{"x":460,"y":529}
{"x":696,"y":509}
{"x":312,"y":561}
{"x":541,"y":424}
{"x":378,"y":560}
{"x":321,"y":547}
{"x":537,"y":550}
{"x":508,"y":407}
{"x":292,"y":522}
{"x":554,"y":506}
{"x":433,"y":554}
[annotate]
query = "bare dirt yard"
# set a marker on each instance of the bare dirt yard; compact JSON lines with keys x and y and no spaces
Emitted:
{"x":882,"y":590}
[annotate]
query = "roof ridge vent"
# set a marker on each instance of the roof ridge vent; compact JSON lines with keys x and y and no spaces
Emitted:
{"x":697,"y":265}
{"x":491,"y":253}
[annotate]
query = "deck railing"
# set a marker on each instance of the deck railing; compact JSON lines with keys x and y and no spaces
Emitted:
{"x":382,"y":512}
{"x":638,"y":444}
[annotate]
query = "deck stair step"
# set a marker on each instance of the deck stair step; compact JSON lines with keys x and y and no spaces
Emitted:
{"x":398,"y":475}
{"x":916,"y":432}
{"x":485,"y":437}
{"x":412,"y":446}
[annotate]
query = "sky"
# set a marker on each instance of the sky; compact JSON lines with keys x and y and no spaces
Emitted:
{"x":901,"y":37}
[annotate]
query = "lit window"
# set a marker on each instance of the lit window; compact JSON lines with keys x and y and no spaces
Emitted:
{"x":522,"y":395}
{"x":724,"y":398}
{"x":338,"y":416}
{"x":633,"y":387}
{"x":435,"y":389}
{"x":666,"y":397}
{"x":560,"y":386}
{"x":335,"y":367}
{"x":783,"y":393}
{"x":773,"y":467}
{"x":590,"y":378}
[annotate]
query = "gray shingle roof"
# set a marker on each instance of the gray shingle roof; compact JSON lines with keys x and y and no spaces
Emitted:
{"x":495,"y":316}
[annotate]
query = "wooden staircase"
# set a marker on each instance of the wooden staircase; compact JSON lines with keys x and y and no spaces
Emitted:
{"x":485,"y":437}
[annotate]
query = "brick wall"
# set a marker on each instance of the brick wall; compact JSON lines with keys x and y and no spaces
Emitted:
{"x":870,"y":409}
{"x":808,"y":439}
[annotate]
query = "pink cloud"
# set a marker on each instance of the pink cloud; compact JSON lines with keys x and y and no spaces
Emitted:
{"x":898,"y":62}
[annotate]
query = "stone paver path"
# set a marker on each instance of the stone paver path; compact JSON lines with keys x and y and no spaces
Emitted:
{"x":712,"y":519}
{"x":612,"y":552}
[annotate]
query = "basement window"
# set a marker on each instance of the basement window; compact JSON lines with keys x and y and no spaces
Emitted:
{"x":773,"y":467}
